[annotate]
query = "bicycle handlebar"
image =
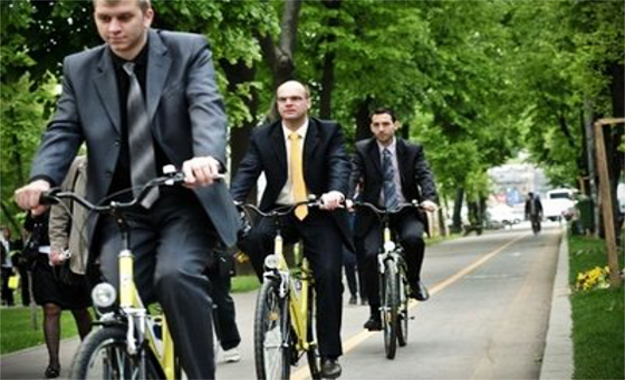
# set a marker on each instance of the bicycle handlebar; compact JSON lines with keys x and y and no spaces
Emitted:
{"x":396,"y":210}
{"x":54,"y":195}
{"x":281,"y":210}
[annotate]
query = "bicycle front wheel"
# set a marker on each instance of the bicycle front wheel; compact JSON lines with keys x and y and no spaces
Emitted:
{"x":402,"y":323}
{"x":271,"y":334}
{"x":390,"y":306}
{"x":314,"y":361}
{"x":103,"y":355}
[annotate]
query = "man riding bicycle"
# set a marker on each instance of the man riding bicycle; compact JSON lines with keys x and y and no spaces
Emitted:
{"x":302,"y":156}
{"x":534,"y":210}
{"x":145,"y":99}
{"x":390,"y":171}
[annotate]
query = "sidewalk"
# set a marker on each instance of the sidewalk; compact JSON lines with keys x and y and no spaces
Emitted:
{"x":558,"y":357}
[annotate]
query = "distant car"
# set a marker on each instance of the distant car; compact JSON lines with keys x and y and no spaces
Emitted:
{"x":503,"y":215}
{"x":620,"y":196}
{"x":558,"y":203}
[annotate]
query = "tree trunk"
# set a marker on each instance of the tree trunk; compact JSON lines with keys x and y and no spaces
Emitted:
{"x":327,"y":80}
{"x":362,"y":119}
{"x":614,"y":137}
{"x":239,"y":73}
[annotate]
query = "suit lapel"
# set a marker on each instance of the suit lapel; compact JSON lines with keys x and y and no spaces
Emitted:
{"x":374,"y":153}
{"x":401,"y":159}
{"x":158,"y":68}
{"x":310,"y":144}
{"x":277,"y":142}
{"x":106,"y":86}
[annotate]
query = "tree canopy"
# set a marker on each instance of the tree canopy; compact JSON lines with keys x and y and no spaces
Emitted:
{"x":474,"y":82}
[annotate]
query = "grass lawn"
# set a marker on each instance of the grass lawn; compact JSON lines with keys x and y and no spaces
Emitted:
{"x":18,"y":332}
{"x":598,"y":316}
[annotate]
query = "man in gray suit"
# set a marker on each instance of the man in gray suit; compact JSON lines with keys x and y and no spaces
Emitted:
{"x":161,"y":84}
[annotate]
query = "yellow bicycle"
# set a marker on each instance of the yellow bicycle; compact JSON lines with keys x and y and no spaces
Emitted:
{"x":130,"y":343}
{"x":284,"y":321}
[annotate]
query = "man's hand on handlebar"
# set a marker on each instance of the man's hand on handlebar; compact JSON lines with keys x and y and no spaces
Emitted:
{"x":332,"y":200}
{"x":429,"y":206}
{"x":27,"y":197}
{"x":202,"y":171}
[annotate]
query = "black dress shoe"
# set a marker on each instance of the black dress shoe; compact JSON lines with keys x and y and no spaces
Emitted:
{"x":374,"y":323}
{"x":419,"y":292}
{"x":330,"y":368}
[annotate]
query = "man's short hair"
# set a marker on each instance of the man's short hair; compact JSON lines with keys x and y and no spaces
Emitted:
{"x":383,"y":110}
{"x":144,"y":5}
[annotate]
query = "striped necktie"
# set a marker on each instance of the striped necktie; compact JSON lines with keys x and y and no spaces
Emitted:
{"x":140,"y":142}
{"x":389,"y":189}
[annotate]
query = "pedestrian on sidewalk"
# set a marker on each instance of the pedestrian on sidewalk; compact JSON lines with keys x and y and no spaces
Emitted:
{"x":6,"y":266}
{"x":54,"y":287}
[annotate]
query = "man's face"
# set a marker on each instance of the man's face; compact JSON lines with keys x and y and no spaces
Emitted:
{"x":293,"y":102}
{"x":383,"y":128}
{"x":123,"y":26}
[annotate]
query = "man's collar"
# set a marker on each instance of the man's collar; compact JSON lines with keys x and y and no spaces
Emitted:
{"x":300,"y":131}
{"x":392,"y":147}
{"x":141,"y":59}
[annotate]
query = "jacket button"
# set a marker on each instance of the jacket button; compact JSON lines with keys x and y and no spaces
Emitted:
{"x":109,"y":173}
{"x":117,"y":142}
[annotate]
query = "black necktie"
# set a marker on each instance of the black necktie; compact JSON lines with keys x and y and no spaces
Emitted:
{"x":141,"y":146}
{"x":390,"y":192}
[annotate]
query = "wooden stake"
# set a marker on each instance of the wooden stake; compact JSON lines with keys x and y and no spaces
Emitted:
{"x":606,"y":201}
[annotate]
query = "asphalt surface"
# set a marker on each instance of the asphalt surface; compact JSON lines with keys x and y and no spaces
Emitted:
{"x":488,"y":318}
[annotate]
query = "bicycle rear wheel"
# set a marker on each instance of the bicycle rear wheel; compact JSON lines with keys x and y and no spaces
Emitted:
{"x":390,"y":306}
{"x":314,"y":361}
{"x":271,"y":334}
{"x":103,"y":355}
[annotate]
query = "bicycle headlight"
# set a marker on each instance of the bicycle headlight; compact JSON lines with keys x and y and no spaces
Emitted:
{"x":389,"y":246}
{"x":103,"y":295}
{"x":271,"y":262}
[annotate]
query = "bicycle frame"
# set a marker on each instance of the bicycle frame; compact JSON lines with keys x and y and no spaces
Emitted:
{"x":298,"y":305}
{"x":140,"y":327}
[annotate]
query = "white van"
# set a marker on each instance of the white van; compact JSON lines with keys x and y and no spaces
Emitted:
{"x":558,"y":203}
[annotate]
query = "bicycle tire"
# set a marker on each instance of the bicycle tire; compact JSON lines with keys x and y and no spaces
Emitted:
{"x":314,"y":360}
{"x":271,"y":331}
{"x":403,"y":317}
{"x":390,"y":305}
{"x":103,"y":355}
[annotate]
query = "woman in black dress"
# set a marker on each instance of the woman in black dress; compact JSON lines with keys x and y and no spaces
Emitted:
{"x":54,"y":295}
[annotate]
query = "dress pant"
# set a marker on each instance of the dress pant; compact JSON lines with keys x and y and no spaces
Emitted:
{"x":220,"y":286}
{"x":408,"y":230}
{"x":7,"y":293}
{"x":349,"y":263}
{"x":173,"y":244}
{"x":323,"y":246}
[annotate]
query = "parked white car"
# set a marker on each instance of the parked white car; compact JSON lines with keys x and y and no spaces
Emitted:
{"x":503,"y":215}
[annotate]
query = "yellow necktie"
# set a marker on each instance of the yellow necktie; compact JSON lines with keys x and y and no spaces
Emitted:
{"x":297,"y":176}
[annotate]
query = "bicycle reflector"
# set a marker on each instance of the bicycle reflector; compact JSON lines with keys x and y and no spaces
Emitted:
{"x":103,"y":295}
{"x":271,"y":262}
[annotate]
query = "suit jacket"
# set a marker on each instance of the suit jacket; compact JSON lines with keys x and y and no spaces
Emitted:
{"x":325,"y":165}
{"x":417,"y":180}
{"x":186,"y":112}
{"x":67,"y":221}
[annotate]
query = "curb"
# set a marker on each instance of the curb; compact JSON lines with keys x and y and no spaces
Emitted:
{"x":558,"y":356}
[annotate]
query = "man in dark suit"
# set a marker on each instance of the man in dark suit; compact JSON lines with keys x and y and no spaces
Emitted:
{"x":390,"y":171}
{"x":323,"y":170}
{"x":144,"y":99}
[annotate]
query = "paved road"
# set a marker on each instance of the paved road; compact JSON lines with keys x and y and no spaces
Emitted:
{"x":487,"y":317}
